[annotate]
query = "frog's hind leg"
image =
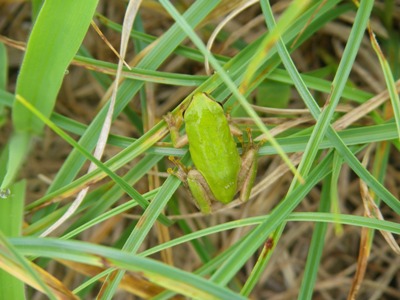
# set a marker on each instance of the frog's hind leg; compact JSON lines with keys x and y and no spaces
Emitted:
{"x":248,"y":170}
{"x":194,"y":181}
{"x":200,"y":190}
{"x":247,"y":174}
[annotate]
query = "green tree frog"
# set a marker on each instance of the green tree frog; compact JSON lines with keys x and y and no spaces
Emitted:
{"x":220,"y":171}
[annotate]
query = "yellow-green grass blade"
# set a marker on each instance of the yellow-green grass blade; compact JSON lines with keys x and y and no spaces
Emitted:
{"x":15,"y":270}
{"x":11,"y":215}
{"x":319,"y":217}
{"x":262,"y":261}
{"x":13,"y":262}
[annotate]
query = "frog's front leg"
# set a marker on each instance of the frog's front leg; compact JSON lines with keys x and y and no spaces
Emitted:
{"x":174,"y":123}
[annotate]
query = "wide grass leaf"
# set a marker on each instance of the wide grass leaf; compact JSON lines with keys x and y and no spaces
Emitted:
{"x":55,"y":39}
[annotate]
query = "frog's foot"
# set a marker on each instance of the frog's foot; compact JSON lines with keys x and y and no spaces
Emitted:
{"x":174,"y":123}
{"x":170,"y":120}
{"x":181,"y":172}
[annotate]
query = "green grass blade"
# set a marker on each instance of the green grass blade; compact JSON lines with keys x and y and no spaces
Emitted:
{"x":142,"y":74}
{"x":262,"y":261}
{"x":18,"y":148}
{"x":389,"y":79}
{"x":316,"y":246}
{"x":321,"y":217}
{"x":11,"y":216}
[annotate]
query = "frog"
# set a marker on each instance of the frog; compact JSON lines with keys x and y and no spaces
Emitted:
{"x":219,"y":171}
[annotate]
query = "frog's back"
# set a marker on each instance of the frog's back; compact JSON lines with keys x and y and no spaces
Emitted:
{"x":212,"y":146}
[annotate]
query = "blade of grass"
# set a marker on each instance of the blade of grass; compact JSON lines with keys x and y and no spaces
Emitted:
{"x":11,"y":216}
{"x":334,"y":195}
{"x":18,"y":148}
{"x":389,"y":79}
{"x":47,"y":56}
{"x":338,"y":84}
{"x":13,"y":262}
{"x":262,"y":262}
{"x":321,"y":217}
{"x":317,"y":245}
